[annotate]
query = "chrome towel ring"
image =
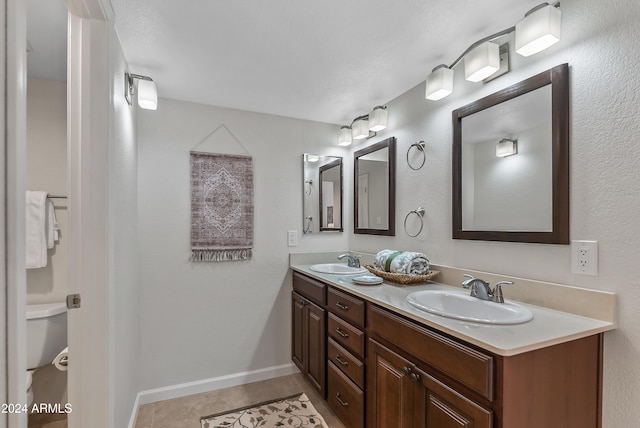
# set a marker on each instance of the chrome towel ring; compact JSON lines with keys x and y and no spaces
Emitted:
{"x":309,"y":188}
{"x":420,"y":213}
{"x":307,"y":226}
{"x":419,"y":146}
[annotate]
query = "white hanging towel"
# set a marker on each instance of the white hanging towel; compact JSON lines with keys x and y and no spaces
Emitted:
{"x":51,"y":225}
{"x":35,"y":227}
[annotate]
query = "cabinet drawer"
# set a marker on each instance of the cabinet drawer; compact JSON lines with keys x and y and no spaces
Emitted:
{"x":346,"y":362}
{"x":310,"y":288}
{"x":468,"y":366}
{"x":345,"y":398}
{"x":346,"y":335}
{"x":346,"y":307}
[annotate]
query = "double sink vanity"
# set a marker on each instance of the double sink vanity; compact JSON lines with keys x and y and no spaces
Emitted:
{"x":431,"y":355}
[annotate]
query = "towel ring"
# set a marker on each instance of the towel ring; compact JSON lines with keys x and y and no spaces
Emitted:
{"x":420,"y":146}
{"x":420,"y":213}
{"x":310,"y":183}
{"x":308,"y":220}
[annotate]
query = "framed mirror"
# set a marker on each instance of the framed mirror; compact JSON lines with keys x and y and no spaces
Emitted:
{"x":511,"y":163}
{"x":375,"y":189}
{"x":323,"y":193}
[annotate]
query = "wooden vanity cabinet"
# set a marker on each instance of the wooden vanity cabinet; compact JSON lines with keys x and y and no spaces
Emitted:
{"x":345,"y":359}
{"x":419,"y":377}
{"x":309,"y":318}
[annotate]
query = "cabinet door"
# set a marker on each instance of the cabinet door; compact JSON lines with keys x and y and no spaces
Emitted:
{"x":390,"y":388}
{"x":316,"y":346}
{"x":438,"y":406}
{"x":297,"y":331}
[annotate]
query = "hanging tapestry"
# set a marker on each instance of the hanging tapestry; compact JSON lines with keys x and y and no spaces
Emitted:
{"x":221,"y":207}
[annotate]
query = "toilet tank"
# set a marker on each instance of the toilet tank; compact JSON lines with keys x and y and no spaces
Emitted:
{"x":46,"y":332}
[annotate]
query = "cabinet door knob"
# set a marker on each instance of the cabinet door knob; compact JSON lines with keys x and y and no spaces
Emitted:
{"x":341,"y":333}
{"x":341,"y":306}
{"x":341,"y":361}
{"x":344,"y":403}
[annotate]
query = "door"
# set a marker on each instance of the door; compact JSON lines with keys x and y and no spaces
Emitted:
{"x":438,"y":406}
{"x":390,"y":388}
{"x":308,"y":337}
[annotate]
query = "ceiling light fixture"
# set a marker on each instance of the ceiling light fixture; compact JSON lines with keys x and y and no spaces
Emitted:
{"x":506,"y":147}
{"x":365,"y":126}
{"x":147,"y":91}
{"x":538,"y":30}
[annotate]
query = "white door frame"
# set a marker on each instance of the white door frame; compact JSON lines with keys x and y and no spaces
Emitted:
{"x":89,"y":101}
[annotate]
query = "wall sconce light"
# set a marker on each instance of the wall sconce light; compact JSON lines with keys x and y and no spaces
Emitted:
{"x":147,"y":91}
{"x":538,"y":30}
{"x":365,"y":126}
{"x":506,"y":147}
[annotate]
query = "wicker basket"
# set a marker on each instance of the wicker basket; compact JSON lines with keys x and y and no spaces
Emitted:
{"x":402,"y":278}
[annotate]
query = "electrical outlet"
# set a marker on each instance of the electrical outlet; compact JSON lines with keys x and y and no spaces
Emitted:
{"x":292,"y":238}
{"x":584,"y":257}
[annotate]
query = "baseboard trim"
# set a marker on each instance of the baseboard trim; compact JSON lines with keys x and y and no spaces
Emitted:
{"x":211,"y":384}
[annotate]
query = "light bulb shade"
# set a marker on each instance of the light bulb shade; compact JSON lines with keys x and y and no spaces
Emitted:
{"x":344,"y":137}
{"x":378,"y":119}
{"x":147,"y":94}
{"x":538,"y":30}
{"x":482,"y":61}
{"x":506,"y":147}
{"x":439,"y":83}
{"x":360,"y":129}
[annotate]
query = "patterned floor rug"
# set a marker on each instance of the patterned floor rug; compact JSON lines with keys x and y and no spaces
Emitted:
{"x":295,"y":411}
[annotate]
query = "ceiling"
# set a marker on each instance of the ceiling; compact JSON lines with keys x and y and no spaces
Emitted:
{"x":328,"y":60}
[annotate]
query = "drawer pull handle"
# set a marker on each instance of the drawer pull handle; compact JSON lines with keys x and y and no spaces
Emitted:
{"x":342,"y":333}
{"x":414,"y":377}
{"x":341,"y":361}
{"x":344,"y":403}
{"x":406,"y":370}
{"x":341,"y":306}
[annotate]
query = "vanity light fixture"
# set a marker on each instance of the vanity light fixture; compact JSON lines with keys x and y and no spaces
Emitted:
{"x":506,"y":147}
{"x":344,"y":137}
{"x":482,"y":61}
{"x":365,"y":126}
{"x":539,"y":29}
{"x":147,"y":91}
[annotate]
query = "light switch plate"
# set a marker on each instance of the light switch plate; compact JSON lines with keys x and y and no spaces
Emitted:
{"x":584,"y":257}
{"x":292,"y":238}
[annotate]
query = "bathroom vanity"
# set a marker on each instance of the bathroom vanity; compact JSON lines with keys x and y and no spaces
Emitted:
{"x":389,"y":364}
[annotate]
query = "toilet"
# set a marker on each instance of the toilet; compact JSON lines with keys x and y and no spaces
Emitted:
{"x":46,"y":337}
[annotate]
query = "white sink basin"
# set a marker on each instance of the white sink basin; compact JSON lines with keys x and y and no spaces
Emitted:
{"x":460,"y":305}
{"x":336,"y":268}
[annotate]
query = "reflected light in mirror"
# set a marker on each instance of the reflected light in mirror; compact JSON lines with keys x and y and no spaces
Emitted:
{"x":482,"y":61}
{"x":506,"y":147}
{"x":538,"y":30}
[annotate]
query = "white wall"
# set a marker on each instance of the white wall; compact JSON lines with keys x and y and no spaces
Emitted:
{"x":203,"y":320}
{"x":123,"y":224}
{"x":600,"y":42}
{"x":47,"y":170}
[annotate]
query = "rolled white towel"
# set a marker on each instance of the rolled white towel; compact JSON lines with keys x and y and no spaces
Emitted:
{"x":407,"y":262}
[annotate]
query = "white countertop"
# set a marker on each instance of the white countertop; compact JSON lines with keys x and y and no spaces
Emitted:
{"x":548,"y":327}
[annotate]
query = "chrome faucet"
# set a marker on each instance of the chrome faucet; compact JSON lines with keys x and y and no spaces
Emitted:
{"x":482,"y":290}
{"x":351,"y":260}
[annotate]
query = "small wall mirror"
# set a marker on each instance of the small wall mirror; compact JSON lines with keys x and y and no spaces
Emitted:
{"x":375,"y":189}
{"x":322,"y":198}
{"x":511,"y":163}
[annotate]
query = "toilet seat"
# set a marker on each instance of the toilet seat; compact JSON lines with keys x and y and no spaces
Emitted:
{"x":29,"y":389}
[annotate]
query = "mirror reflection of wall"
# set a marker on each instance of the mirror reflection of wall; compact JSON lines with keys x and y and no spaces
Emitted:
{"x":322,"y":193}
{"x":513,"y":192}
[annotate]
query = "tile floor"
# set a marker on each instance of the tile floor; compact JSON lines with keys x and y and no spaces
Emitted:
{"x":185,"y":412}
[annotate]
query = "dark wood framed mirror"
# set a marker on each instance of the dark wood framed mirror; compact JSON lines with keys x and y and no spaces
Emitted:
{"x":519,"y":198}
{"x":375,"y":189}
{"x":322,"y":198}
